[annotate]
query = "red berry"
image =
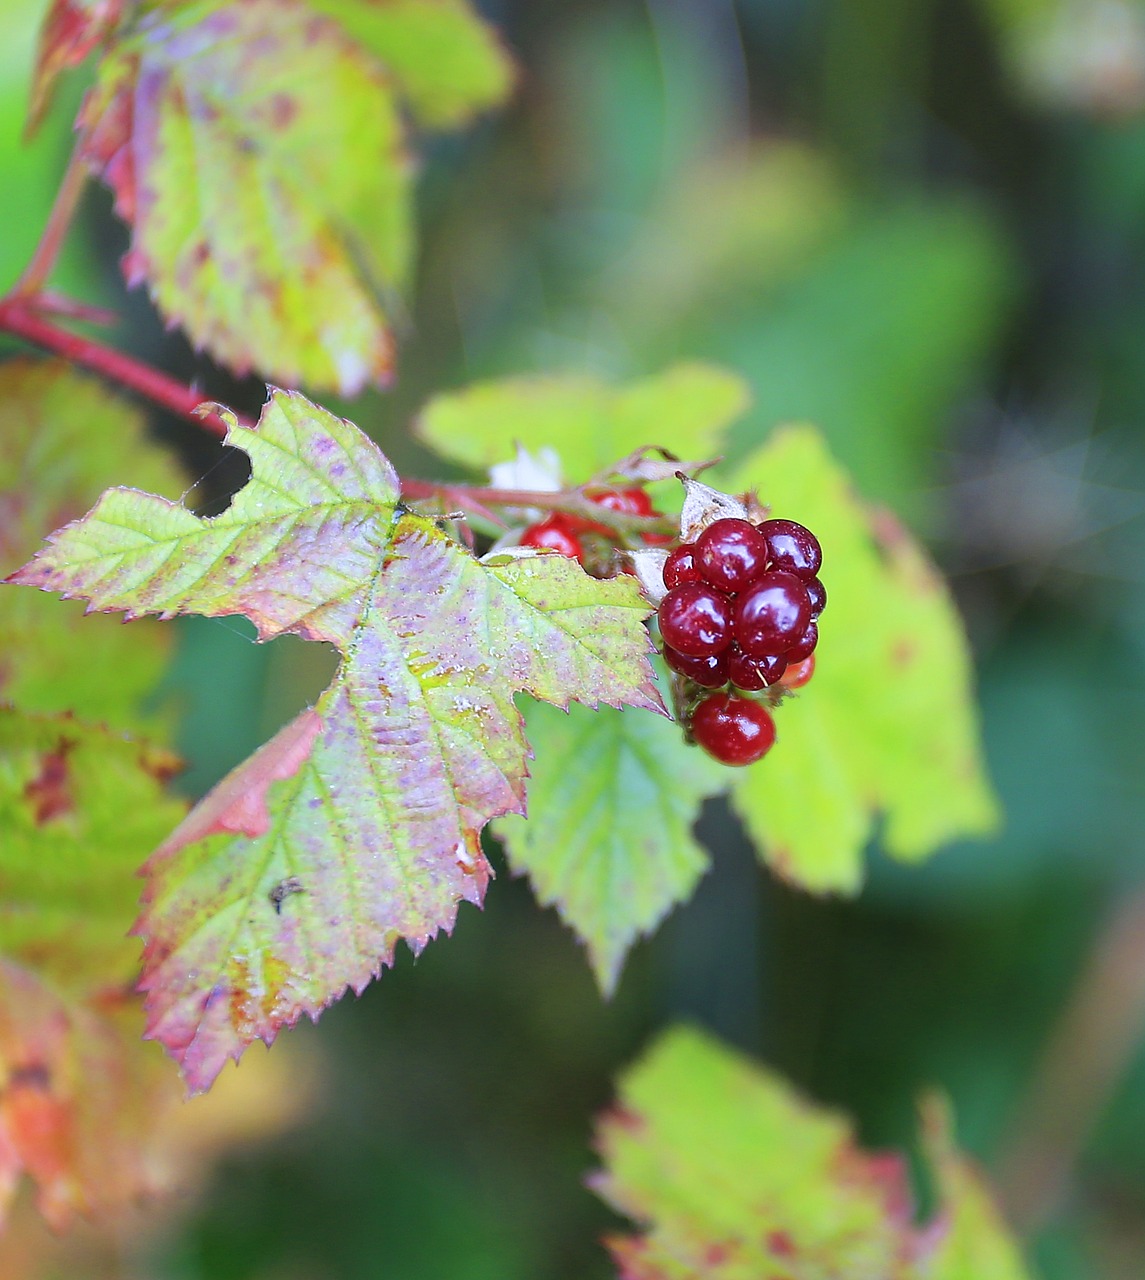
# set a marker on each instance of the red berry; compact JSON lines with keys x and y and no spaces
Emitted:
{"x":695,"y":619}
{"x":805,"y":645}
{"x":710,"y":672}
{"x":735,"y":730}
{"x":731,"y":554}
{"x":796,"y":676}
{"x":553,"y":534}
{"x":627,"y":502}
{"x":817,"y":594}
{"x":793,"y":548}
{"x":681,"y":566}
{"x":754,"y":673}
{"x":772,"y":614}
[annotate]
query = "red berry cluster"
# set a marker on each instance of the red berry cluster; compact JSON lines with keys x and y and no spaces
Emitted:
{"x":564,"y":533}
{"x":742,"y":609}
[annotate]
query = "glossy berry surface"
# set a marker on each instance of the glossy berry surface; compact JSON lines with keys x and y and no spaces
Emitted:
{"x":817,"y":594}
{"x":793,"y":547}
{"x":731,"y":554}
{"x":553,"y":534}
{"x":627,"y":502}
{"x":696,"y":620}
{"x":681,"y":567}
{"x":709,"y":673}
{"x":734,"y":730}
{"x":804,"y":647}
{"x":797,"y":675}
{"x":752,"y":674}
{"x":772,"y":614}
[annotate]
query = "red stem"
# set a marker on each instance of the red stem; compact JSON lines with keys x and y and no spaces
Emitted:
{"x":18,"y":316}
{"x":36,"y":273}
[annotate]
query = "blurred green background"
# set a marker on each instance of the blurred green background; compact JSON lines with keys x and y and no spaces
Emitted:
{"x":921,"y":224}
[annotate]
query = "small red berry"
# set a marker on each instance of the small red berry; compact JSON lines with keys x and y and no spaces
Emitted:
{"x":734,"y":730}
{"x":804,"y":647}
{"x":817,"y":594}
{"x":794,"y":547}
{"x":753,"y":674}
{"x":626,"y":502}
{"x":681,"y":566}
{"x":797,"y":675}
{"x":731,"y":554}
{"x":772,"y":614}
{"x":710,"y":672}
{"x":553,"y":534}
{"x":695,"y":619}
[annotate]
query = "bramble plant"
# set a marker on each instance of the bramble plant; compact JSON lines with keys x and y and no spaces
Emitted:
{"x":591,"y":639}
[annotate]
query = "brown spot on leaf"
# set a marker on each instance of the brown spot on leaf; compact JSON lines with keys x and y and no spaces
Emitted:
{"x":781,"y":1244}
{"x":904,"y":653}
{"x":283,"y":109}
{"x":49,"y":793}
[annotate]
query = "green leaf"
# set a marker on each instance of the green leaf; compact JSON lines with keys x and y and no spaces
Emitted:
{"x":888,"y":724}
{"x":590,"y":424}
{"x":358,"y":824}
{"x":62,"y":439}
{"x":79,"y":809}
{"x":257,"y":152}
{"x":612,"y":799}
{"x":736,"y":1177}
{"x":447,"y":63}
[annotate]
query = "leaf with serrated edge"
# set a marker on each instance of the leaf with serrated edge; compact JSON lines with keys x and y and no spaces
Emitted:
{"x":887,"y":725}
{"x":257,"y":152}
{"x":590,"y":424}
{"x":612,"y":797}
{"x":373,"y":835}
{"x":736,"y":1177}
{"x":63,"y":438}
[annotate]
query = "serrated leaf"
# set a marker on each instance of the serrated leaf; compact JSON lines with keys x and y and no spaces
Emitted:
{"x":446,"y":61}
{"x":735,"y":1177}
{"x":63,"y":438}
{"x":257,"y":152}
{"x":612,"y":799}
{"x":588,"y":422}
{"x":79,"y":808}
{"x":375,"y":800}
{"x":71,"y":29}
{"x":887,"y":726}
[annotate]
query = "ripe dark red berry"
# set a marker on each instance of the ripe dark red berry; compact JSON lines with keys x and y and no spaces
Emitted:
{"x":753,"y":673}
{"x":772,"y":614}
{"x":710,"y":672}
{"x":817,"y":594}
{"x":553,"y":534}
{"x":731,"y":554}
{"x":804,"y":647}
{"x":681,"y":566}
{"x":793,"y":547}
{"x":796,"y":676}
{"x":696,"y":620}
{"x":734,"y":730}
